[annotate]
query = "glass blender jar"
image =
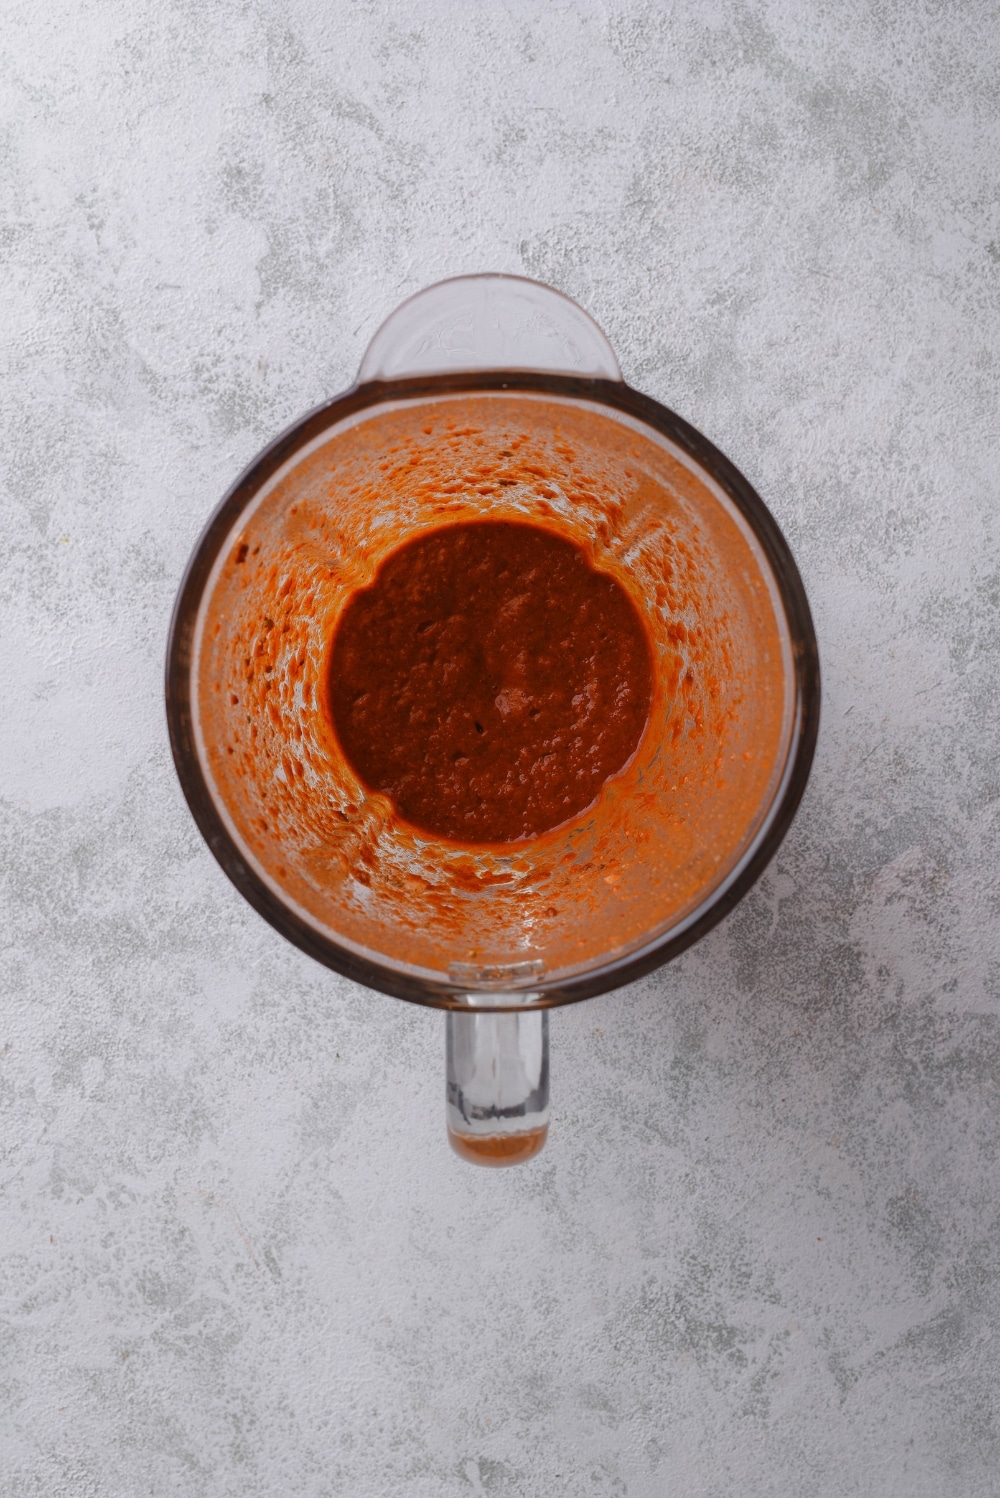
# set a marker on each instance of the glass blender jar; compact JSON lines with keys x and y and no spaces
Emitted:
{"x":493,"y":397}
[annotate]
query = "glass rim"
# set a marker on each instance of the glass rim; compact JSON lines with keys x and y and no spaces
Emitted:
{"x":534,"y":992}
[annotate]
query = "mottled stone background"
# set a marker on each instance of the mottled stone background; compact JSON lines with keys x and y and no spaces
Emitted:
{"x":761,"y":1250}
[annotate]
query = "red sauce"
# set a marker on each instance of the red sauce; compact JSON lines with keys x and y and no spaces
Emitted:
{"x":498,"y":1150}
{"x":490,"y":681}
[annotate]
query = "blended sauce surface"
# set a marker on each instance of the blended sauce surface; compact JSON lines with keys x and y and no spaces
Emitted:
{"x":490,"y":681}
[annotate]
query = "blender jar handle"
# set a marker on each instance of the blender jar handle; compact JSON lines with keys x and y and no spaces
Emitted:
{"x":488,"y":322}
{"x":497,"y":1070}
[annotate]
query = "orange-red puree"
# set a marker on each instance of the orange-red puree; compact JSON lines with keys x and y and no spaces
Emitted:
{"x":490,"y":681}
{"x":656,"y":836}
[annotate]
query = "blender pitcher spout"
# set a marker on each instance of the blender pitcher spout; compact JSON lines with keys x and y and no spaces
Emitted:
{"x":497,"y":1071}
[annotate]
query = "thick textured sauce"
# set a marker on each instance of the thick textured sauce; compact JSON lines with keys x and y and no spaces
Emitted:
{"x":490,"y":681}
{"x":660,"y":834}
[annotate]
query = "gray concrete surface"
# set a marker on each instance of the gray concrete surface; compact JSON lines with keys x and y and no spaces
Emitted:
{"x":760,"y":1253}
